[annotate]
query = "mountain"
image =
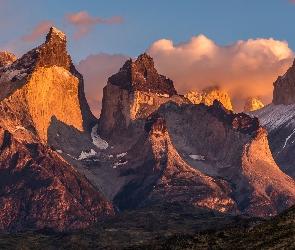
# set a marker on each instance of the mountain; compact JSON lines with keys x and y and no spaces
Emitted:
{"x":252,"y":104}
{"x":278,"y":118}
{"x":208,"y":95}
{"x":161,"y":147}
{"x":6,"y":58}
{"x":38,"y":188}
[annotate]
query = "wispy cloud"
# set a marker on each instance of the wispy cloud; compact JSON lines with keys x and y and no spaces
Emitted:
{"x":292,"y":1}
{"x":84,"y":22}
{"x":38,"y":32}
{"x":246,"y":68}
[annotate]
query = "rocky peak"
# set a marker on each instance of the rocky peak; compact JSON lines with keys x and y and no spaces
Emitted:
{"x":6,"y":58}
{"x":284,"y":87}
{"x":252,"y":103}
{"x":141,"y":75}
{"x":208,"y":95}
{"x":54,"y":52}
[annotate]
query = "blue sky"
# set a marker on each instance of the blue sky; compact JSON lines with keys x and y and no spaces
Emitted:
{"x":241,"y":46}
{"x":145,"y":22}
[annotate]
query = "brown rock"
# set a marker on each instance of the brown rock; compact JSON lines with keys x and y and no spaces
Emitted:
{"x":38,"y":189}
{"x":284,"y":88}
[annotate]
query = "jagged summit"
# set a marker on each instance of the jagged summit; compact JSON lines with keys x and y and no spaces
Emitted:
{"x":141,"y":75}
{"x":208,"y":95}
{"x":6,"y":58}
{"x":284,"y":87}
{"x":253,"y":103}
{"x":55,"y":34}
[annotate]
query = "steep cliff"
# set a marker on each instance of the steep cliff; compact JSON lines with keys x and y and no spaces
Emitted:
{"x":44,"y":83}
{"x":134,"y":92}
{"x":284,"y":88}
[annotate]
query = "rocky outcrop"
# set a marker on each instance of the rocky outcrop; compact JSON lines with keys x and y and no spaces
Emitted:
{"x":208,"y":95}
{"x":284,"y":88}
{"x":6,"y":58}
{"x":252,"y":104}
{"x":38,"y":189}
{"x":134,"y":92}
{"x":160,"y":175}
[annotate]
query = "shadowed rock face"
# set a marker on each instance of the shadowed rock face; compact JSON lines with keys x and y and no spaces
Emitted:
{"x":141,"y":75}
{"x":38,"y":189}
{"x":284,"y":88}
{"x":210,"y":157}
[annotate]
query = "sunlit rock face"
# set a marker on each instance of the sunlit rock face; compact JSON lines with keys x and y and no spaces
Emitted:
{"x":40,"y":92}
{"x":208,"y":95}
{"x":44,"y":83}
{"x":134,"y":92}
{"x":252,"y":103}
{"x":284,"y":88}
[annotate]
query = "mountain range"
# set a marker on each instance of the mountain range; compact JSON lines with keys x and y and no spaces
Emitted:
{"x":62,"y":168}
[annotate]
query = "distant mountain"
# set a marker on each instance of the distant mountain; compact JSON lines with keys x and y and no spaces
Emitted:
{"x":208,"y":95}
{"x":252,"y":104}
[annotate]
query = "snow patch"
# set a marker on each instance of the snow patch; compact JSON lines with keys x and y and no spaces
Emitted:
{"x":58,"y":151}
{"x":121,"y":155}
{"x":96,"y":140}
{"x":120,"y":164}
{"x":197,"y":157}
{"x":288,"y":138}
{"x":85,"y":155}
{"x":163,"y":95}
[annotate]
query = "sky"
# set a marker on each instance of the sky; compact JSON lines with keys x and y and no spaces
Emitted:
{"x":240,"y":46}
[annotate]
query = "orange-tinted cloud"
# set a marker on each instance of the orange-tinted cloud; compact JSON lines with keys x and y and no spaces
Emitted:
{"x":39,"y":32}
{"x":292,"y":1}
{"x":84,"y":22}
{"x":242,"y":69}
{"x":96,"y":70}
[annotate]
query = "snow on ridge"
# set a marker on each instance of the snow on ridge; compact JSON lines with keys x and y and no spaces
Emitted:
{"x":273,"y":116}
{"x":197,"y":157}
{"x":85,"y":155}
{"x":96,"y":140}
{"x":288,"y":138}
{"x":18,"y":128}
{"x":58,"y":151}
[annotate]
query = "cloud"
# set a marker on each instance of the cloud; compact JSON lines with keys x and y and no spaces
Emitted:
{"x":291,"y":1}
{"x":246,"y":68}
{"x":96,"y":70}
{"x":84,"y":22}
{"x":39,"y":31}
